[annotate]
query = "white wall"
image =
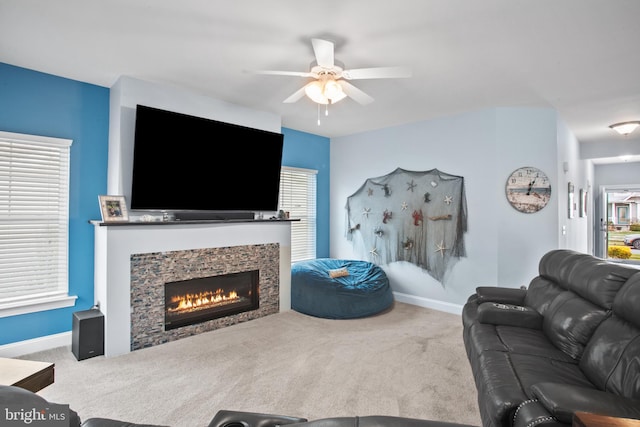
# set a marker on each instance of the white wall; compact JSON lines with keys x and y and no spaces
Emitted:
{"x":503,"y":245}
{"x":127,"y":92}
{"x":524,"y":137}
{"x":580,"y":173}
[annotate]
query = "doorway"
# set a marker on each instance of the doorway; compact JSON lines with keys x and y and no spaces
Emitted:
{"x":619,"y":219}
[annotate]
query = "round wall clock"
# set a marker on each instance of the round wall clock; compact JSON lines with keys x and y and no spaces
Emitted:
{"x":528,"y":189}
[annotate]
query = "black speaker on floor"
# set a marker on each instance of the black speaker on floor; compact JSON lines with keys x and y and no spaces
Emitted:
{"x":87,"y":334}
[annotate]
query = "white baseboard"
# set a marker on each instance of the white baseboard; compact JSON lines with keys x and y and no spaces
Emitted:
{"x":34,"y":345}
{"x":428,"y":303}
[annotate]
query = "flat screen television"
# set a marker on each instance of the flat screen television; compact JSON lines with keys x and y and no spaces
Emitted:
{"x":201,"y":168}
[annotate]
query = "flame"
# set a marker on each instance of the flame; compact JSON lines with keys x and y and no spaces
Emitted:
{"x":195,"y":301}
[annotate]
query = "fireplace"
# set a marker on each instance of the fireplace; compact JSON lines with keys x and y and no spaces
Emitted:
{"x":188,"y":302}
{"x":156,"y":276}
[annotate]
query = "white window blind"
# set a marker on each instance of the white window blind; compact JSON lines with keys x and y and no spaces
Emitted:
{"x":298,"y":197}
{"x":34,"y":219}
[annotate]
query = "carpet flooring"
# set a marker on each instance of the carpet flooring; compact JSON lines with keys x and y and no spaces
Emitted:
{"x":408,"y":361}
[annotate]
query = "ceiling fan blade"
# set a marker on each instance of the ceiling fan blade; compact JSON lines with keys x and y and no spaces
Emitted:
{"x":323,"y":50}
{"x":296,"y":96}
{"x":356,"y":94}
{"x":377,"y":73}
{"x":284,"y":73}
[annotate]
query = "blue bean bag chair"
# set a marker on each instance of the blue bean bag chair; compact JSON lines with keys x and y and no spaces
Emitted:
{"x":339,"y":289}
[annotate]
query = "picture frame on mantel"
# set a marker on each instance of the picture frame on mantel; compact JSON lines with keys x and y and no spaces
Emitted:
{"x":113,"y":208}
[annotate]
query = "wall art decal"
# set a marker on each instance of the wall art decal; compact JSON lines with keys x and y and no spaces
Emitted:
{"x":414,"y":216}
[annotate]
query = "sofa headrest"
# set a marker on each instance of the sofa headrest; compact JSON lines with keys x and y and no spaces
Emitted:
{"x":599,"y":281}
{"x":594,"y":279}
{"x":627,"y":301}
{"x":557,"y":265}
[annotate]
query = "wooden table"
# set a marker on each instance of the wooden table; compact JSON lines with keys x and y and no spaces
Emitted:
{"x":28,"y":374}
{"x":585,"y":419}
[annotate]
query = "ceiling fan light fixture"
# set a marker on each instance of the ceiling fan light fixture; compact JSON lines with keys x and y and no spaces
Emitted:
{"x":325,"y":91}
{"x":338,"y":97}
{"x":625,"y":128}
{"x":314,"y":91}
{"x":333,"y":91}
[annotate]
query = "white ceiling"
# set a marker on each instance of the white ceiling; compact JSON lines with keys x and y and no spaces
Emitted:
{"x":578,"y":56}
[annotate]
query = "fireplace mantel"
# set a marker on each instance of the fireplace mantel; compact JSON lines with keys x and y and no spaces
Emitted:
{"x":115,"y":243}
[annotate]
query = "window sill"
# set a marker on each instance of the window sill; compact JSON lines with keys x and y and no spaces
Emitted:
{"x":37,"y":304}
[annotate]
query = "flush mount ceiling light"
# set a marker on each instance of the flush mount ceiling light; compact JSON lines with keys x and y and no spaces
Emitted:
{"x":625,"y":128}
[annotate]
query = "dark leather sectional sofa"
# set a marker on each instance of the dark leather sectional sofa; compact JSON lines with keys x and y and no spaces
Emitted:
{"x":569,"y":342}
{"x":15,"y":400}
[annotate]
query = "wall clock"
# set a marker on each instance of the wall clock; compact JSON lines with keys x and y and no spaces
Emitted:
{"x":528,"y":189}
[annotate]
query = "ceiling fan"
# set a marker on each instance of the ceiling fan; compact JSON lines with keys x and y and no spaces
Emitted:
{"x":330,"y":83}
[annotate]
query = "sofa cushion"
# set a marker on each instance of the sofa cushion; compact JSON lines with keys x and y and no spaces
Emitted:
{"x":558,"y":265}
{"x":532,"y":370}
{"x":498,"y":386}
{"x":570,"y":321}
{"x":611,"y":360}
{"x":627,"y":302}
{"x":530,"y":342}
{"x":599,"y":281}
{"x":483,"y":337}
{"x":541,"y":293}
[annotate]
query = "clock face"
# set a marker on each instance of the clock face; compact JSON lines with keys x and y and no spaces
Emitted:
{"x":528,"y":189}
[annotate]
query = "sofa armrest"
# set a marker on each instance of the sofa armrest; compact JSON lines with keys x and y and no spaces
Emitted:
{"x":107,"y":422}
{"x":501,"y":295}
{"x":225,"y":418}
{"x":509,"y":315}
{"x":12,"y":395}
{"x":563,"y":400}
{"x":376,"y":421}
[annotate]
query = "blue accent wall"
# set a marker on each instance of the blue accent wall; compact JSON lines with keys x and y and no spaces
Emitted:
{"x":41,"y":104}
{"x":309,"y":151}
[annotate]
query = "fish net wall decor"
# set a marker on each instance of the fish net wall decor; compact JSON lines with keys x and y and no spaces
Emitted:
{"x":418,"y":217}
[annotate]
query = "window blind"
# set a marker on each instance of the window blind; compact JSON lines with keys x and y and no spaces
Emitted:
{"x":298,"y":197}
{"x":34,"y":219}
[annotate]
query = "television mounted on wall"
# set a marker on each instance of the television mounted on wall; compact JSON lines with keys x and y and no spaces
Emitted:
{"x":200,"y":168}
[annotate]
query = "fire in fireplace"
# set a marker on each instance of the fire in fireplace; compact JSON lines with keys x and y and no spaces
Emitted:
{"x":188,"y":302}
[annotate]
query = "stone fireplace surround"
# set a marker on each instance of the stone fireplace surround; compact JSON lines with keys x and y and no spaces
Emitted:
{"x":150,"y":272}
{"x":115,"y":243}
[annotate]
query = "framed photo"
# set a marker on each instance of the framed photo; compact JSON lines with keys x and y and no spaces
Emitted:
{"x":570,"y":201}
{"x":113,"y":208}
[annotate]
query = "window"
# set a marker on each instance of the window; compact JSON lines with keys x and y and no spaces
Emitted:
{"x":34,"y":223}
{"x":298,"y":197}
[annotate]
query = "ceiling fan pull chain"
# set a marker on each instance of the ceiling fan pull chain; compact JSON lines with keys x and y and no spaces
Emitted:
{"x":326,"y":109}
{"x":318,"y":114}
